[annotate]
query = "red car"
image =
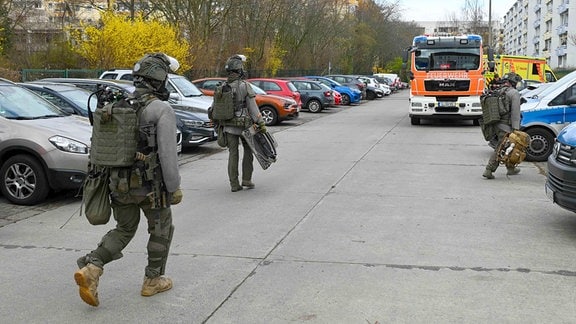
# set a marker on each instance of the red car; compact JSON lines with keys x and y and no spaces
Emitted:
{"x":278,"y":87}
{"x":274,"y":109}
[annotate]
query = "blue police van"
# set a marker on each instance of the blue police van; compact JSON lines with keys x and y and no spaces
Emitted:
{"x":545,"y":113}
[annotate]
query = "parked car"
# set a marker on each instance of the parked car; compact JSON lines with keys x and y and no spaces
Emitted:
{"x":278,"y":87}
{"x":561,"y":176}
{"x":349,"y":95}
{"x":546,"y":113}
{"x":195,"y":127}
{"x":350,"y":81}
{"x":68,"y":97}
{"x":42,"y":148}
{"x":182,"y":91}
{"x":314,"y":96}
{"x":337,"y":97}
{"x":274,"y":109}
{"x":372,"y":82}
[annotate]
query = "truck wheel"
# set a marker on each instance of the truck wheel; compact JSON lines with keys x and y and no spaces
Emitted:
{"x":414,"y":121}
{"x":23,"y":180}
{"x":269,"y":115}
{"x":541,"y":144}
{"x":314,"y":106}
{"x":476,"y":122}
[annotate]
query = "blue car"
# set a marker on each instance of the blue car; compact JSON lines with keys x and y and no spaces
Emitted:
{"x":349,"y":95}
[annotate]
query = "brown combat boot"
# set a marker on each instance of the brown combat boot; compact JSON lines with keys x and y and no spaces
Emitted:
{"x":87,"y":279}
{"x":152,"y":286}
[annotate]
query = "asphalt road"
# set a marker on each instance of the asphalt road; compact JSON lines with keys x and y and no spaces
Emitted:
{"x":364,"y":218}
{"x":10,"y":213}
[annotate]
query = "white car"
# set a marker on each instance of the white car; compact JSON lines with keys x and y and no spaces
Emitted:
{"x":370,"y":81}
{"x":182,"y":92}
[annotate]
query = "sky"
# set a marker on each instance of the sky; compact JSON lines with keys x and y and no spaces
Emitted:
{"x":435,"y":10}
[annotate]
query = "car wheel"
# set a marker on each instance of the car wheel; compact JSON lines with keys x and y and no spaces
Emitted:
{"x":414,"y":121}
{"x":370,"y":95}
{"x":345,"y":100}
{"x":314,"y":106}
{"x":269,"y":115}
{"x":23,"y":180}
{"x":541,"y":144}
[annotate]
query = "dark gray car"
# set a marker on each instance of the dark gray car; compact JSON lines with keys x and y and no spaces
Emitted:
{"x":314,"y":97}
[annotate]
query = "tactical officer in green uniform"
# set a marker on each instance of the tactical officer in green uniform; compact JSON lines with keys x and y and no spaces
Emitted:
{"x":508,"y":122}
{"x":247,"y":116}
{"x":154,"y":198}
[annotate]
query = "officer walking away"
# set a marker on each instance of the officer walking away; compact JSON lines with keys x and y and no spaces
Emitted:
{"x":151,"y":185}
{"x":246,"y":115}
{"x":509,"y":121}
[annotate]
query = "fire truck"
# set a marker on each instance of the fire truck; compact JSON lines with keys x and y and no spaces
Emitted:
{"x":446,"y":78}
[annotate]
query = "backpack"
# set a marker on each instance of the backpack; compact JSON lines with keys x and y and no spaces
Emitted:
{"x":114,"y":143}
{"x":512,"y":149}
{"x":495,"y":106}
{"x":224,"y":102}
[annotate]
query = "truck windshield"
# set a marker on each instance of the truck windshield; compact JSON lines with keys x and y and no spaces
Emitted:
{"x":447,"y":59}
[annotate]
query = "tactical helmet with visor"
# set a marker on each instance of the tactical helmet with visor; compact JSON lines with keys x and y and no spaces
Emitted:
{"x":155,"y":66}
{"x":235,"y":63}
{"x":512,"y":78}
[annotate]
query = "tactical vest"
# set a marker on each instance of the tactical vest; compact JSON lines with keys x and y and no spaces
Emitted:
{"x":495,"y":106}
{"x":116,"y":132}
{"x":227,"y":110}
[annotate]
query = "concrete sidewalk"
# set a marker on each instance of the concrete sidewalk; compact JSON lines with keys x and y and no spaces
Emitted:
{"x":363,"y":219}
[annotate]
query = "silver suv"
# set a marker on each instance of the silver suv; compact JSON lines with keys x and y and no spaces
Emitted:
{"x":182,"y":91}
{"x":42,"y":148}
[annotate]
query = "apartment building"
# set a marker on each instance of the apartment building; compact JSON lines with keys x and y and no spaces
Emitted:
{"x":541,"y":28}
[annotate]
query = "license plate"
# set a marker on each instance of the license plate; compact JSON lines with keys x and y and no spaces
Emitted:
{"x":446,"y":104}
{"x":179,"y":148}
{"x":549,"y":193}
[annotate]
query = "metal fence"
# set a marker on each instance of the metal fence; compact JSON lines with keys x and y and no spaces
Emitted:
{"x":36,"y":74}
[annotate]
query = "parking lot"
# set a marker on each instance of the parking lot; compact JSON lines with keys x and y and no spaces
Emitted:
{"x":364,"y":218}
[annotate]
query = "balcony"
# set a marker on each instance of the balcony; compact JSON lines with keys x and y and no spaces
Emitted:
{"x":561,"y":50}
{"x":536,"y":40}
{"x":547,"y":35}
{"x":537,"y":7}
{"x":563,"y":7}
{"x":536,"y":22}
{"x":562,"y":29}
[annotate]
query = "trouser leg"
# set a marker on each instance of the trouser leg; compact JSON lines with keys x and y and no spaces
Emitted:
{"x":233,"y":157}
{"x":110,"y":248}
{"x":247,"y":162}
{"x":160,"y":239}
{"x":493,"y":161}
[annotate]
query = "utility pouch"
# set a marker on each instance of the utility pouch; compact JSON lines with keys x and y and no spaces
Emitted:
{"x":96,"y":196}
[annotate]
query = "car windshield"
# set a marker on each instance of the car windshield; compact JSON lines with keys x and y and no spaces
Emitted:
{"x":257,"y":89}
{"x":187,"y":88}
{"x":80,"y":97}
{"x":19,"y":103}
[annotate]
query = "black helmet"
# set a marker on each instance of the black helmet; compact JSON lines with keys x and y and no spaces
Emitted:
{"x":512,"y":77}
{"x":155,"y":66}
{"x":235,"y":63}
